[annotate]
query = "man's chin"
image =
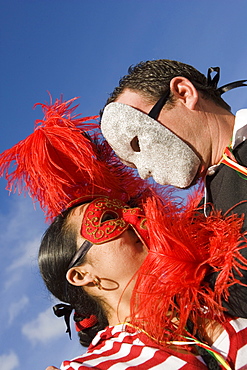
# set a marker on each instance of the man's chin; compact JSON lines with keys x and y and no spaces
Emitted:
{"x":183,"y":183}
{"x":180,"y":185}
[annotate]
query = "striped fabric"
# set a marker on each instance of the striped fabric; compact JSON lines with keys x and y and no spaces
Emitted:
{"x":116,"y":349}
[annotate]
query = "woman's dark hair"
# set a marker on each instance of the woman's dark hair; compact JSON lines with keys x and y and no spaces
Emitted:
{"x":58,"y":246}
{"x":152,"y":79}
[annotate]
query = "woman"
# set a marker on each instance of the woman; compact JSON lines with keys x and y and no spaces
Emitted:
{"x":103,"y":266}
{"x":93,"y":268}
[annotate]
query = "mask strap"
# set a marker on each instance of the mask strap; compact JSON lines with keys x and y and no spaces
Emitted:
{"x":213,"y":82}
{"x":155,"y":111}
{"x":231,"y":85}
{"x":84,"y":248}
{"x":64,"y":310}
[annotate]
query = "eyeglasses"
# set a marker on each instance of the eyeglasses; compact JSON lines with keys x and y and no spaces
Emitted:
{"x":155,"y":111}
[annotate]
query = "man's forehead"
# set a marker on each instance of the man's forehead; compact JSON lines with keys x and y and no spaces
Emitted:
{"x":135,"y":99}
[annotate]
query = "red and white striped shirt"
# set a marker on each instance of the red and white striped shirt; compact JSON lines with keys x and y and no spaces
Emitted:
{"x":116,"y":349}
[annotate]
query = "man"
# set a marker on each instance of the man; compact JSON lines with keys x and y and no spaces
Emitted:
{"x":169,"y":121}
{"x":188,"y":133}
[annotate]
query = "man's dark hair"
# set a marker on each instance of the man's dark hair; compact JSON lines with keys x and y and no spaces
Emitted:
{"x":152,"y":79}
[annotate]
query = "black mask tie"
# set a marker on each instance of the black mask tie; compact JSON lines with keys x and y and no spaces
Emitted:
{"x":231,"y":85}
{"x":214,"y":81}
{"x":64,"y":310}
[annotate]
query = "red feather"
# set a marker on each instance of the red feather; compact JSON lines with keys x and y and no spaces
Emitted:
{"x":59,"y":162}
{"x":171,"y":286}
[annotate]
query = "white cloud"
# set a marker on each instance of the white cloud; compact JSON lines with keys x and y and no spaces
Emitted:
{"x":44,"y":328}
{"x":9,"y":361}
{"x":20,"y":233}
{"x":20,"y":217}
{"x":26,"y":257}
{"x":29,"y":253}
{"x":16,"y":307}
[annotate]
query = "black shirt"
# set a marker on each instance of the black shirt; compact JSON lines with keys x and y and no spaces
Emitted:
{"x":227,"y":189}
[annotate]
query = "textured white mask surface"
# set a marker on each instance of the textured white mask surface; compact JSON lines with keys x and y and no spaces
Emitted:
{"x":149,"y":146}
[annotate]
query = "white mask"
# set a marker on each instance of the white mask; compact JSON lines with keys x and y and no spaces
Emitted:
{"x":144,"y":143}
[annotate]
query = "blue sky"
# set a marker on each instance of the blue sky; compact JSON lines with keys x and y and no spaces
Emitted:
{"x":82,"y":48}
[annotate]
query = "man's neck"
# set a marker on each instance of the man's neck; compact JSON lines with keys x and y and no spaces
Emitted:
{"x":221,"y":134}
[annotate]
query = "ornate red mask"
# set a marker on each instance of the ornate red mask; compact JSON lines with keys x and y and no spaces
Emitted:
{"x":106,"y":219}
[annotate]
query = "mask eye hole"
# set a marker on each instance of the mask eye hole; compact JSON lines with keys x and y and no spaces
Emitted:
{"x":135,"y":144}
{"x":108,"y":216}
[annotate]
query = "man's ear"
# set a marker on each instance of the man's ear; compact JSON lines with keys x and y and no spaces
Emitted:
{"x":185,"y":91}
{"x":77,"y":276}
